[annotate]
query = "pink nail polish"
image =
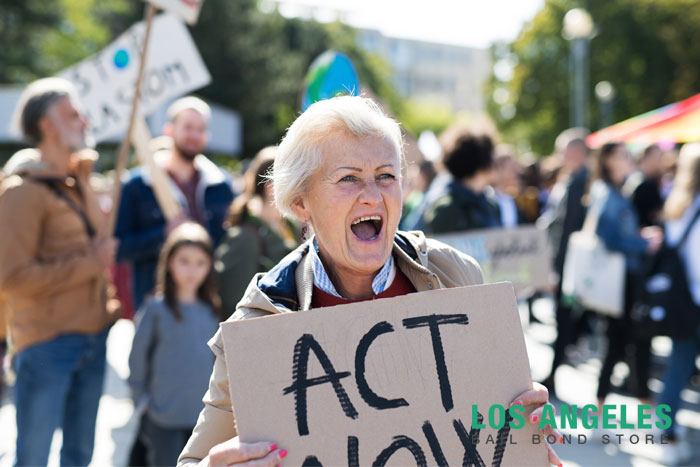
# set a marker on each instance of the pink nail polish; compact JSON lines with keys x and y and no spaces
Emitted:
{"x":518,"y":402}
{"x":273,"y":447}
{"x":535,"y":418}
{"x":283,"y":453}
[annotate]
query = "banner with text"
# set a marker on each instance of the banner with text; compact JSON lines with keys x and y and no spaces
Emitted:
{"x":521,"y":255}
{"x":420,"y":379}
{"x":105,"y":81}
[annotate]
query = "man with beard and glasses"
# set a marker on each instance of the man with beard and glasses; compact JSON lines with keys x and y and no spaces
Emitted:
{"x":53,"y":259}
{"x":203,"y":190}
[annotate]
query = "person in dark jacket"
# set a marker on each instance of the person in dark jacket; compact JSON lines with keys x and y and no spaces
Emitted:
{"x":564,"y":215}
{"x":203,"y":190}
{"x":644,"y":187}
{"x":257,"y":237}
{"x":468,"y":203}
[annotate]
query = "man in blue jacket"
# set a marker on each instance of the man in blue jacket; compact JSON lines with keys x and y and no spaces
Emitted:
{"x":203,"y":190}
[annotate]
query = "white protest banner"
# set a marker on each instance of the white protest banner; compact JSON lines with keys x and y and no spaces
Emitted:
{"x":421,"y":379}
{"x":188,"y":10}
{"x":105,"y":81}
{"x":521,"y":255}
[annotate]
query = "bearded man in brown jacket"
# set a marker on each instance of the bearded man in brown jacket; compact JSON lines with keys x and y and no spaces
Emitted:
{"x":52,"y":258}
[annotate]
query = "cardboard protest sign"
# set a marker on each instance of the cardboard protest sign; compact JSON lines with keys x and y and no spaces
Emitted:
{"x":105,"y":81}
{"x":188,"y":10}
{"x":387,"y":382}
{"x":521,"y":255}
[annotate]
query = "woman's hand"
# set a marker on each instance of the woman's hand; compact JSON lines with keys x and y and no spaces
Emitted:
{"x":539,"y":396}
{"x":233,"y":452}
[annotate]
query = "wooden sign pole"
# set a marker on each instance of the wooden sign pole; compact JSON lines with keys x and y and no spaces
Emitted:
{"x":141,"y":139}
{"x":123,"y":154}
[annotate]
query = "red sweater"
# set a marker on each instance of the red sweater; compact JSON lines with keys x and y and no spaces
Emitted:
{"x":400,"y":286}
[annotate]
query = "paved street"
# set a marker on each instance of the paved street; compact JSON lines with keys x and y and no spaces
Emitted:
{"x":115,"y":425}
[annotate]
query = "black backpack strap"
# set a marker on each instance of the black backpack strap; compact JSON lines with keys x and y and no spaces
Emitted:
{"x":689,"y":228}
{"x":51,"y":185}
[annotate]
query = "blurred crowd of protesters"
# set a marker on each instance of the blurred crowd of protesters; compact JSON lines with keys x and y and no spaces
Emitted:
{"x":186,"y":274}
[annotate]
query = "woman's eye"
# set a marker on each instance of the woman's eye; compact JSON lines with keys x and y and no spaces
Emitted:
{"x":348,"y":178}
{"x":384,"y":177}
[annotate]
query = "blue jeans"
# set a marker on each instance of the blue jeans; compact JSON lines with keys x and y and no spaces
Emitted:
{"x":679,"y":369}
{"x":59,"y":384}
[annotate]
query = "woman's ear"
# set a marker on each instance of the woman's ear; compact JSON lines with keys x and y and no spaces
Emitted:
{"x":301,"y":211}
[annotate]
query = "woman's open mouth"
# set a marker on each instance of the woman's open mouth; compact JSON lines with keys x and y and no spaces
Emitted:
{"x":367,"y":228}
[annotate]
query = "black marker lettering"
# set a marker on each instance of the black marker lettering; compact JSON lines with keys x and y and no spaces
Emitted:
{"x":401,"y":442}
{"x":311,"y":461}
{"x":434,"y":444}
{"x":368,"y":395}
{"x":501,"y":441}
{"x":434,"y":322}
{"x":353,"y":451}
{"x":99,"y":66}
{"x":301,"y":383}
{"x":81,"y":83}
{"x":469,"y":442}
{"x":182,"y":70}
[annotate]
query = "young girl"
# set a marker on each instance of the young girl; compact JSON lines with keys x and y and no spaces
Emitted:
{"x":170,"y":361}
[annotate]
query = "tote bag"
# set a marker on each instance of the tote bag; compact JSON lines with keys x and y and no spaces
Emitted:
{"x":593,"y":275}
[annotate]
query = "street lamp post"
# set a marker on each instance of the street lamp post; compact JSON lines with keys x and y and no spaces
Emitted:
{"x":578,"y":29}
{"x":605,"y":92}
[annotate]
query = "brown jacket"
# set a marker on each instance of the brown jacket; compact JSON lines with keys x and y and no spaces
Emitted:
{"x":3,"y":318}
{"x":437,"y":266}
{"x":48,"y":270}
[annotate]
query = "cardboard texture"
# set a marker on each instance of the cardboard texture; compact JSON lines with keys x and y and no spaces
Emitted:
{"x":405,"y":374}
{"x":521,"y":255}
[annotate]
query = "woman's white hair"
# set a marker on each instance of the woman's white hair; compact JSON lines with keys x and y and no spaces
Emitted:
{"x":301,"y":151}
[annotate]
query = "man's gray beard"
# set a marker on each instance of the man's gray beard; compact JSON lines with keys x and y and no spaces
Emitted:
{"x":88,"y":142}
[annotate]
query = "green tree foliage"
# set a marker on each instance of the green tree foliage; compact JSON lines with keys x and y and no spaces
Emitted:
{"x":418,"y":116}
{"x":643,"y":47}
{"x":41,"y":38}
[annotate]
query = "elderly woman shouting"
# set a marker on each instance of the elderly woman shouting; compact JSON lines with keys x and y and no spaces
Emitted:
{"x":337,"y":170}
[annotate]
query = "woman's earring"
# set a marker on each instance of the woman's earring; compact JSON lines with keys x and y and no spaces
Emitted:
{"x":304,"y":232}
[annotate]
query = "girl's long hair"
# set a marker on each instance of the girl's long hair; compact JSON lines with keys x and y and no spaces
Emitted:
{"x":686,"y":186}
{"x":187,"y":234}
{"x":256,"y":177}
